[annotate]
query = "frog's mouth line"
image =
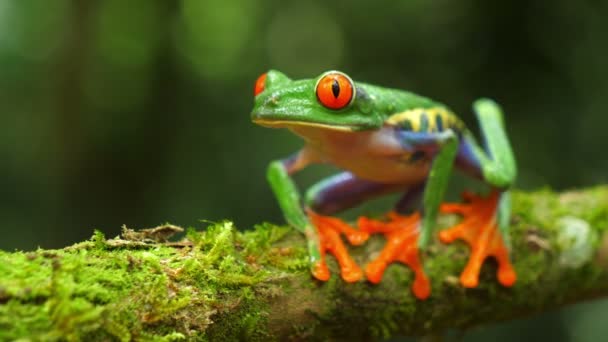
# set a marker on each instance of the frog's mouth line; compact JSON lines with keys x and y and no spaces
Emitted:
{"x":288,"y":123}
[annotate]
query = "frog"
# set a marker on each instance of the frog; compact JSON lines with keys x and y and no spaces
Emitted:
{"x":386,"y":141}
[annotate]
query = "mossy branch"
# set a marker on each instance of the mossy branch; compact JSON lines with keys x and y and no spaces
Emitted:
{"x":224,"y":285}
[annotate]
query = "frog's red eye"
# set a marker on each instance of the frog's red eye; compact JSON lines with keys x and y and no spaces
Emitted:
{"x":335,"y":90}
{"x":259,"y":84}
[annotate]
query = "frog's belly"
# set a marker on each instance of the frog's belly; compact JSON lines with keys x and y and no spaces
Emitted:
{"x":372,"y":155}
{"x":383,"y":170}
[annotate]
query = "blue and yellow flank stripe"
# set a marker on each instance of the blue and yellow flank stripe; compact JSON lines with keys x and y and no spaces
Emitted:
{"x":435,"y":119}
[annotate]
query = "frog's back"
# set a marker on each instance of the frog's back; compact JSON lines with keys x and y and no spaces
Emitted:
{"x":412,"y":112}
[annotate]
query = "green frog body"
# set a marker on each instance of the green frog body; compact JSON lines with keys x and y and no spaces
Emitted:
{"x":385,"y":141}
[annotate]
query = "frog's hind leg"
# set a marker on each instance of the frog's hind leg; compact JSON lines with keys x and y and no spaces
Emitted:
{"x":401,"y":232}
{"x":328,"y":197}
{"x":343,"y":191}
{"x":480,"y":230}
{"x":486,"y":220}
{"x":407,"y":234}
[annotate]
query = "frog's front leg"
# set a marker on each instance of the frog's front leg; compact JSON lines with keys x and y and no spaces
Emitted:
{"x":486,"y":220}
{"x":289,"y":199}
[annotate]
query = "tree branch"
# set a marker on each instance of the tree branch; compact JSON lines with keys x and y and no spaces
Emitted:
{"x":224,"y":285}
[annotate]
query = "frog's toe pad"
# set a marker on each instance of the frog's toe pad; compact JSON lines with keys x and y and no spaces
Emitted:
{"x":479,"y":230}
{"x":320,"y":270}
{"x":351,"y":274}
{"x":401,"y":233}
{"x":357,"y":238}
{"x":329,"y":230}
{"x":374,"y":271}
{"x":506,"y":274}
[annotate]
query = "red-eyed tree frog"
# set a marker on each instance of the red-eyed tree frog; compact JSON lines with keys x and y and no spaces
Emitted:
{"x":386,"y":141}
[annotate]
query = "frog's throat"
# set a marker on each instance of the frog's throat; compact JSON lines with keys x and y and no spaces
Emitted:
{"x":294,"y":124}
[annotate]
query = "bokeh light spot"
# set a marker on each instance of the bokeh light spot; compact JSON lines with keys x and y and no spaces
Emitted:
{"x":212,"y":35}
{"x":306,"y":39}
{"x":34,"y":40}
{"x":129,"y":32}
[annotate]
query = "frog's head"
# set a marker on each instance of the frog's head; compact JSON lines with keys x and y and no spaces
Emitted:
{"x":331,"y":101}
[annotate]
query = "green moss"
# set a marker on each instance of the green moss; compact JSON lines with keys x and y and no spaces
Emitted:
{"x":224,"y":285}
{"x":156,"y":293}
{"x":99,"y":239}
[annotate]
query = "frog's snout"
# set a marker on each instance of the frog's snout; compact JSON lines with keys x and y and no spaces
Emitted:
{"x":265,"y":107}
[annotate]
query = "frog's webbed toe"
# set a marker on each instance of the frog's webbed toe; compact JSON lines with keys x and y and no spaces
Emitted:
{"x":329,"y":230}
{"x":479,"y":229}
{"x":401,"y":234}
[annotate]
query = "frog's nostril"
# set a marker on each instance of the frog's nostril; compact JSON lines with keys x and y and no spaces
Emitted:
{"x":272,"y":100}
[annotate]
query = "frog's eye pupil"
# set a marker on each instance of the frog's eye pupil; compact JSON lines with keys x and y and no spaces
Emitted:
{"x":335,"y":90}
{"x":260,"y":83}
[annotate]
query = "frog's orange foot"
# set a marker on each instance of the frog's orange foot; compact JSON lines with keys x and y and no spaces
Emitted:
{"x":480,"y":230}
{"x":401,"y":233}
{"x":329,"y":230}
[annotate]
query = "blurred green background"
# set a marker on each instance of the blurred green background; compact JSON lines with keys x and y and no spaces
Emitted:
{"x":137,"y":112}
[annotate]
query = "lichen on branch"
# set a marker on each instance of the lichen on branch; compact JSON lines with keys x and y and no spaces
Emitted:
{"x":222,"y":284}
